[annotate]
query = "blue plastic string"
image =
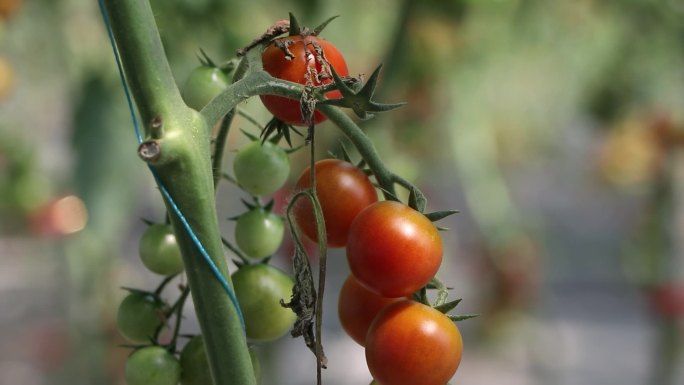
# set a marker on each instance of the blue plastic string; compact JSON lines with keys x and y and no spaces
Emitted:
{"x":165,"y":193}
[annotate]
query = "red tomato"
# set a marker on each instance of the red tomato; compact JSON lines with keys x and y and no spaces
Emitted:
{"x":343,"y":190}
{"x":304,"y":59}
{"x":357,"y":307}
{"x":668,"y":300}
{"x":393,"y":249}
{"x":410,"y":343}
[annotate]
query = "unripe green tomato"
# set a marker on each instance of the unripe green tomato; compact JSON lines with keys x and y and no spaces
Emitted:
{"x":159,"y":250}
{"x":259,"y":233}
{"x":195,"y":363}
{"x":152,"y":365}
{"x":261,"y":169}
{"x":202,"y":85}
{"x":259,"y":289}
{"x":139,"y":316}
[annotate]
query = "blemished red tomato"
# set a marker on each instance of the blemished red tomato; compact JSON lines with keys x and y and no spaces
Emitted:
{"x":294,"y":69}
{"x":410,"y":343}
{"x":357,"y":308}
{"x":393,"y":249}
{"x":343,"y":191}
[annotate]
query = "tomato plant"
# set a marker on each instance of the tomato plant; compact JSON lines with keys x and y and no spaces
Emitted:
{"x":202,"y":85}
{"x":259,"y":289}
{"x":300,"y":59}
{"x":393,"y":249}
{"x":261,"y":168}
{"x":343,"y":191}
{"x":410,"y":343}
{"x":195,"y":363}
{"x":159,"y":250}
{"x":357,"y":307}
{"x":139,"y":316}
{"x":259,"y":232}
{"x":152,"y":365}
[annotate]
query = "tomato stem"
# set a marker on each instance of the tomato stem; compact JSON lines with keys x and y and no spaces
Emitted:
{"x":187,"y":180}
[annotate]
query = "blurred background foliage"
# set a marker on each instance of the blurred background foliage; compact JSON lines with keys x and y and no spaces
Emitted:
{"x":555,"y":127}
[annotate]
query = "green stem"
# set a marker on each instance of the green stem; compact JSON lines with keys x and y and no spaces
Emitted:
{"x":147,"y":70}
{"x":363,"y":145}
{"x":182,"y":165}
{"x":258,"y":82}
{"x":220,"y":146}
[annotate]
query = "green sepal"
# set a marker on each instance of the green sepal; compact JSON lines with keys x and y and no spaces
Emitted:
{"x":249,"y":135}
{"x":324,"y":24}
{"x":360,"y":102}
{"x":205,"y":59}
{"x":463,"y":317}
{"x":437,"y":215}
{"x":449,"y":306}
{"x":276,"y":128}
{"x":295,"y":28}
{"x":416,"y":199}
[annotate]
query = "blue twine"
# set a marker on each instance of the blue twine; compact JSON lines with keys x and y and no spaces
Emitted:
{"x":165,"y":193}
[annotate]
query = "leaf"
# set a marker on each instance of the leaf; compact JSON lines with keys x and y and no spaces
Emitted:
{"x":303,"y":300}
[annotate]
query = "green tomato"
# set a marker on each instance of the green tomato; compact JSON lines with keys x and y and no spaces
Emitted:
{"x":261,"y":169}
{"x":202,"y":85}
{"x":152,"y":365}
{"x":259,"y":233}
{"x":195,"y":363}
{"x":159,"y":250}
{"x":138,"y":317}
{"x":259,"y":289}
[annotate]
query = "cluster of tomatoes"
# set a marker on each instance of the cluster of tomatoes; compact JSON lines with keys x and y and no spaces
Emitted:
{"x":259,"y":287}
{"x":393,"y":252}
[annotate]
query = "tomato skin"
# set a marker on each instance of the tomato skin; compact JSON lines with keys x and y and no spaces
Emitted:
{"x":343,"y":191}
{"x":410,"y":343}
{"x":159,"y":250}
{"x":138,"y":317}
{"x":357,"y":307}
{"x":202,"y":85}
{"x":259,"y":289}
{"x":152,"y":365}
{"x":393,"y":249}
{"x":304,"y":57}
{"x":259,"y":233}
{"x":195,"y":363}
{"x":261,"y":169}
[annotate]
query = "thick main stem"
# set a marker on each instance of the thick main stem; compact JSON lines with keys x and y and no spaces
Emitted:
{"x":184,"y":171}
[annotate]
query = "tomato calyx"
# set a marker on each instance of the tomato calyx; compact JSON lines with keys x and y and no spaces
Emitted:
{"x":280,"y":27}
{"x":361,"y":101}
{"x":276,"y":129}
{"x":441,"y":303}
